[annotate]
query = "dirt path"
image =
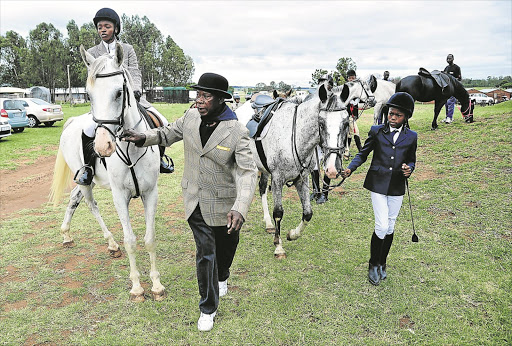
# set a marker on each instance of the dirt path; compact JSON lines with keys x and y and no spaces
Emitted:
{"x":26,"y":187}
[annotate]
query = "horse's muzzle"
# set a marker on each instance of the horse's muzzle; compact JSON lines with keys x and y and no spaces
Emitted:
{"x":104,"y":143}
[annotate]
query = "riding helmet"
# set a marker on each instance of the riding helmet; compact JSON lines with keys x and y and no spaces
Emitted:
{"x":110,"y":15}
{"x":402,"y":101}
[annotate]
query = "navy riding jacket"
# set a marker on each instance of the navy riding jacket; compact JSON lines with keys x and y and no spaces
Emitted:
{"x":385,"y":173}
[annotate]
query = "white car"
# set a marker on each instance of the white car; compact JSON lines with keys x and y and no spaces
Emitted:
{"x":482,"y":99}
{"x":41,"y":112}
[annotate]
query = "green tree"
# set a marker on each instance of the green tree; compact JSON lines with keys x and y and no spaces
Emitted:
{"x":344,"y":64}
{"x":13,"y":49}
{"x":283,"y":86}
{"x":176,"y":68}
{"x":147,"y":41}
{"x":316,"y":75}
{"x":47,"y":61}
{"x":86,"y":36}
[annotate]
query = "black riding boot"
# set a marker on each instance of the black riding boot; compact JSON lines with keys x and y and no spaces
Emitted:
{"x":315,"y":179}
{"x":357,"y":139}
{"x":386,"y":245}
{"x":325,"y":191}
{"x":373,"y":266}
{"x":89,"y":160}
{"x":166,"y":163}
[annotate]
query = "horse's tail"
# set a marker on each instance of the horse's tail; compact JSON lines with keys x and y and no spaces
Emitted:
{"x":62,"y":175}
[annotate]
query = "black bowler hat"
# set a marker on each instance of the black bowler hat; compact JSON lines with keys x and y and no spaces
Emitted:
{"x":213,"y":83}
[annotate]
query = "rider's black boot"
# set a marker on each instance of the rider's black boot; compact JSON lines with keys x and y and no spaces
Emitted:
{"x":325,"y":191}
{"x":315,"y":178}
{"x":89,"y":160}
{"x":166,"y":163}
{"x":386,"y":245}
{"x":373,"y":265}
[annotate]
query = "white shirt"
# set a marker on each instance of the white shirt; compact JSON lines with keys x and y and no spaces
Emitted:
{"x":110,"y":47}
{"x":397,"y":132}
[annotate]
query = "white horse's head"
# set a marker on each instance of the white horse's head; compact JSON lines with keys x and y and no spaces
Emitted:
{"x":110,"y":91}
{"x":333,"y":121}
{"x":357,"y":89}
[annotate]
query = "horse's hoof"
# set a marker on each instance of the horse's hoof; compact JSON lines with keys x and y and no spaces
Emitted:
{"x":158,"y":296}
{"x":433,"y":128}
{"x":289,"y":237}
{"x":115,"y":253}
{"x":271,"y":230}
{"x":137,"y":298}
{"x":280,"y":256}
{"x":68,"y":244}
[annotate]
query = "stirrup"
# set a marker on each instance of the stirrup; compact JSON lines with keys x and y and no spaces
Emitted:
{"x":169,"y":164}
{"x":83,"y":171}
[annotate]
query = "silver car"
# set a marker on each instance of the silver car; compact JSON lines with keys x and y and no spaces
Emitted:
{"x":5,"y":127}
{"x":41,"y":112}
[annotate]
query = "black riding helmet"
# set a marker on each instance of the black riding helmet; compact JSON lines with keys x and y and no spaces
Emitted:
{"x":402,"y":101}
{"x":110,"y":15}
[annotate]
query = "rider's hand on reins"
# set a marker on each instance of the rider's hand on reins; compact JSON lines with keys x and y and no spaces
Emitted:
{"x":235,"y":221}
{"x":134,"y":137}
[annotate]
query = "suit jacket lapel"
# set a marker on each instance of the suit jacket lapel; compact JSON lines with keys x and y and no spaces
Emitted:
{"x":221,"y":132}
{"x":403,"y":135}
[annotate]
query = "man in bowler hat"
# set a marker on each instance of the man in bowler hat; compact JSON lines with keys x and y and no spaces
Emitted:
{"x":218,"y":184}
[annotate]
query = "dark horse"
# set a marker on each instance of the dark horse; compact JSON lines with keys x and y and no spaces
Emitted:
{"x":425,"y":89}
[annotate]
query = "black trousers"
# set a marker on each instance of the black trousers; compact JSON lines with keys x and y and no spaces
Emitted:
{"x":215,"y":250}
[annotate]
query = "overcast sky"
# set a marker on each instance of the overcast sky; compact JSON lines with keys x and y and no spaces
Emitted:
{"x":263,"y":41}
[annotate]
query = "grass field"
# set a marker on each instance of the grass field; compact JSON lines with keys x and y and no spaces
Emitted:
{"x":453,"y":287}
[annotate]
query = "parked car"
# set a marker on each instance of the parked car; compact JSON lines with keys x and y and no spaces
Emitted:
{"x":41,"y":112}
{"x":482,"y":99}
{"x":14,"y":111}
{"x":5,"y":127}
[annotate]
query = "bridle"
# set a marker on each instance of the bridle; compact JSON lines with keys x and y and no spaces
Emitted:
{"x":368,"y":97}
{"x":120,"y":121}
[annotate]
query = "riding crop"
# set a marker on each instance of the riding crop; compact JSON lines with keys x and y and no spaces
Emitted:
{"x":414,"y":236}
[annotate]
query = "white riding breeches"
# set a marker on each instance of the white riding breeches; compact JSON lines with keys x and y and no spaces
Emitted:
{"x":91,"y":125}
{"x":385,"y":209}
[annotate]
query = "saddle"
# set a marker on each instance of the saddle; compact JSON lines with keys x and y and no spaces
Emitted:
{"x":151,"y":118}
{"x":442,"y":79}
{"x":265,"y":107}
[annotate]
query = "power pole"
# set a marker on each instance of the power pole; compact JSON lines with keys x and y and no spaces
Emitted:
{"x":69,"y":86}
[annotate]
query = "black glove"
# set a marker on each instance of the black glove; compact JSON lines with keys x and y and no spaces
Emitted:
{"x":134,"y":137}
{"x":137,"y":95}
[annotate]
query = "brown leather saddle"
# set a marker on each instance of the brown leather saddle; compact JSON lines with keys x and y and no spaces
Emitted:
{"x":442,"y":79}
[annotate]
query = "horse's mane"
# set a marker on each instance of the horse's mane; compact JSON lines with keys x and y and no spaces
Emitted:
{"x":99,"y":65}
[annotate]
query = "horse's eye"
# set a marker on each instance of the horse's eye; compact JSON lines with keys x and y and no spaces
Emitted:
{"x":118,"y":94}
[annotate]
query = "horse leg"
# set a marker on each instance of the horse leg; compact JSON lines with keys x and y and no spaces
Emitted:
{"x":150,"y":202}
{"x":278,"y":213}
{"x":269,"y":226}
{"x":75,"y":198}
{"x":376,"y":113}
{"x":121,"y":201}
{"x":437,"y":108}
{"x":302,"y":187}
{"x":113,"y":247}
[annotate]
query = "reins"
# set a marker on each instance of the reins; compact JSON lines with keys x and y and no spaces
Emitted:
{"x":119,"y":121}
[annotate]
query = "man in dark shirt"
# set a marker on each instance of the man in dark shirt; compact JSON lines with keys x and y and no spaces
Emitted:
{"x":386,"y":75}
{"x":454,"y":70}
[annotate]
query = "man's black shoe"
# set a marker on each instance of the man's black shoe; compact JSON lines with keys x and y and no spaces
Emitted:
{"x":373,"y":274}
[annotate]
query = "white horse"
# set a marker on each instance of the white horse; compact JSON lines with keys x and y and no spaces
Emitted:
{"x":288,"y":144}
{"x":382,"y":90}
{"x":132,"y":172}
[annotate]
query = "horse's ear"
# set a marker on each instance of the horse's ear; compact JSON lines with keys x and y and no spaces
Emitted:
{"x":289,"y":93}
{"x":322,"y":93}
{"x":86,"y":56}
{"x":344,"y":93}
{"x":373,"y":83}
{"x":119,"y":54}
{"x":275,"y":94}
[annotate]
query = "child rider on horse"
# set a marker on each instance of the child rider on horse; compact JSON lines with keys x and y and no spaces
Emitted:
{"x":108,"y":24}
{"x":394,"y":158}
